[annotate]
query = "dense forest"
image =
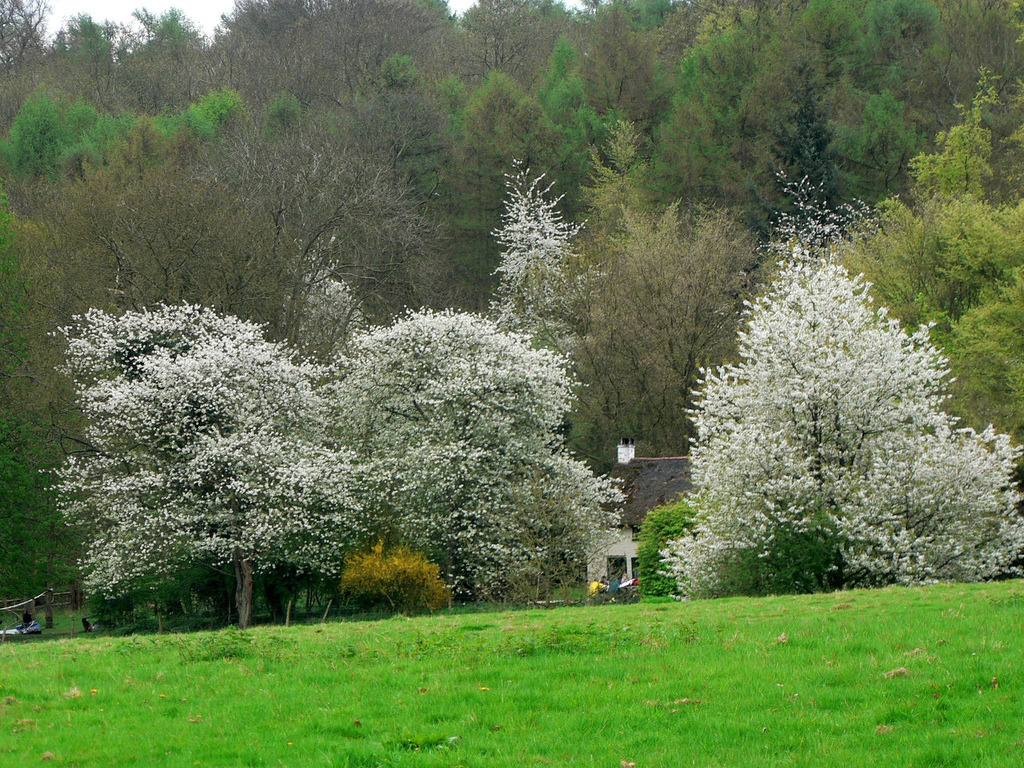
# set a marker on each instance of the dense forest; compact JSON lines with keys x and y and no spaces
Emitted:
{"x":313,"y":149}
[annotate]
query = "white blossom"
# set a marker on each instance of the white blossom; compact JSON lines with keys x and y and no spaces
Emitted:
{"x":331,"y":313}
{"x":205,"y":443}
{"x":829,"y":436}
{"x":536,"y":246}
{"x":814,"y":226}
{"x":455,"y":421}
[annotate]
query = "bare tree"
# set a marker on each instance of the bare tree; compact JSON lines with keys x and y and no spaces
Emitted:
{"x":511,"y":36}
{"x":322,"y":51}
{"x":336,"y":212}
{"x":22,"y":27}
{"x":164,"y":66}
{"x":666,"y":306}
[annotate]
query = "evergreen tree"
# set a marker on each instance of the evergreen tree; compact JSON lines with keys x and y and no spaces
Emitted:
{"x":574,"y":124}
{"x":500,"y":124}
{"x":804,"y":138}
{"x":620,"y":73}
{"x":23,"y":508}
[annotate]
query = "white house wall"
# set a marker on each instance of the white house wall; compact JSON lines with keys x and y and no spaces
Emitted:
{"x":621,"y":544}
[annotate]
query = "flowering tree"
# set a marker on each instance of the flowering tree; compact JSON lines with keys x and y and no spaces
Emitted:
{"x":536,"y":251}
{"x":205,"y":442}
{"x":328,"y":316}
{"x":824,"y":460}
{"x":458,"y":424}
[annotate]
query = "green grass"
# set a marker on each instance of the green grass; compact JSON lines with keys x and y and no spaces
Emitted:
{"x":767,"y":682}
{"x":63,"y":623}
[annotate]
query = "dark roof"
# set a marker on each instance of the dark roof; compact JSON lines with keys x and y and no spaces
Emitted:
{"x":649,"y":483}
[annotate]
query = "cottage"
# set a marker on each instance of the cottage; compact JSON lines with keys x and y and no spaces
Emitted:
{"x":647,"y":483}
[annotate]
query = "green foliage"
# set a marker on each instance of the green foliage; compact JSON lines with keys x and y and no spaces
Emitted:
{"x":669,"y":521}
{"x":956,"y":261}
{"x":621,"y":75}
{"x":616,"y":185}
{"x":500,"y":123}
{"x":397,"y":579}
{"x":961,"y":166}
{"x":804,"y":139}
{"x":650,"y":14}
{"x":986,"y":351}
{"x":220,"y":108}
{"x":30,"y":531}
{"x":889,"y":26}
{"x":398,"y":71}
{"x":822,"y":89}
{"x":797,"y":562}
{"x":48,"y":136}
{"x":38,"y":137}
{"x":20,"y":481}
{"x":454,"y":96}
{"x":200,"y":596}
{"x":171,"y":29}
{"x":208,"y":118}
{"x":882,"y":142}
{"x":12,"y":298}
{"x":87,"y":39}
{"x":717,"y":130}
{"x":19,"y":500}
{"x":145,"y":146}
{"x":574,"y":124}
{"x":933,"y":262}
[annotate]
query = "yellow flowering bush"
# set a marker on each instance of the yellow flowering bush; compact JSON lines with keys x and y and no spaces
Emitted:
{"x":397,"y":578}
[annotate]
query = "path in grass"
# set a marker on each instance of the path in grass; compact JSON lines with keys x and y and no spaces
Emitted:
{"x":897,"y":677}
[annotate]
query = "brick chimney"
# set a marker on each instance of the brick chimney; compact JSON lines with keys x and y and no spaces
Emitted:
{"x":627,"y":449}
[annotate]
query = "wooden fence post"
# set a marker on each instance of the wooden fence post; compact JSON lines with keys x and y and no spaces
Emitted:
{"x":49,"y":608}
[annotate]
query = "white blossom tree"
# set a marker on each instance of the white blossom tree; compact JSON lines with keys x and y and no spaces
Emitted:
{"x":823,"y":458}
{"x":330,"y":314}
{"x":205,"y":442}
{"x":458,"y":424}
{"x":536,"y":275}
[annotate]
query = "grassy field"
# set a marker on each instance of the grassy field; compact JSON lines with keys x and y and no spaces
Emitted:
{"x":897,"y":677}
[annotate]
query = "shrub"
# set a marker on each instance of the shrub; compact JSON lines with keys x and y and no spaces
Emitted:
{"x":207,"y":118}
{"x":49,"y":135}
{"x":669,"y":521}
{"x":282,"y":114}
{"x":219,"y":108}
{"x":398,"y":579}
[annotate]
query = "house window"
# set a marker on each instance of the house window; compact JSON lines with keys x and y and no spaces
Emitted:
{"x":636,"y":533}
{"x":616,"y":567}
{"x":634,"y":563}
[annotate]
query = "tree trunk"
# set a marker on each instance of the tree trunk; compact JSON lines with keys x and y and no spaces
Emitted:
{"x":243,"y":589}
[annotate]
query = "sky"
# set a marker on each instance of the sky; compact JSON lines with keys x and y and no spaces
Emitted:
{"x":206,"y":13}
